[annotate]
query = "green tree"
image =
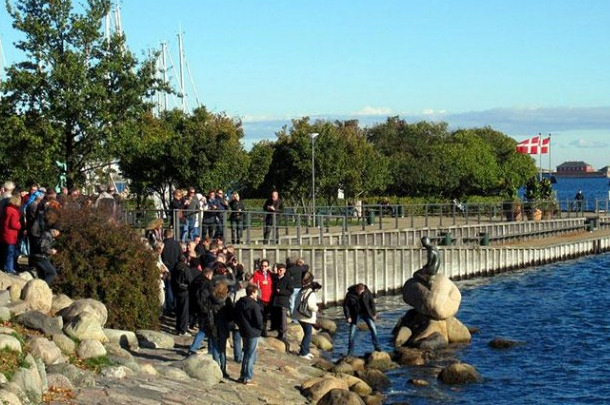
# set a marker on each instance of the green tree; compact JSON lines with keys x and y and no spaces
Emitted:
{"x":75,"y":91}
{"x":260,"y":156}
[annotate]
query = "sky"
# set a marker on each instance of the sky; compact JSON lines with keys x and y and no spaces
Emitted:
{"x":521,"y":67}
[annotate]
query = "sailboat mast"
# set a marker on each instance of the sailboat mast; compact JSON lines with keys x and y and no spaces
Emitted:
{"x":182,"y":89}
{"x":164,"y":67}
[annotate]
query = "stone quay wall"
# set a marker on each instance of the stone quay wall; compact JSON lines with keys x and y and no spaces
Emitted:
{"x":385,"y":269}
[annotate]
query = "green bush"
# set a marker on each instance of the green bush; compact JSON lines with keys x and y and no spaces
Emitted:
{"x":107,"y":261}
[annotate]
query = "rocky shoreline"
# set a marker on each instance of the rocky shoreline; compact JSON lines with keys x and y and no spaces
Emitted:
{"x":60,"y":337}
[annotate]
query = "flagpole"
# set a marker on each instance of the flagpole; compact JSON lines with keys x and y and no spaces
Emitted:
{"x":550,"y":165}
{"x":540,"y":155}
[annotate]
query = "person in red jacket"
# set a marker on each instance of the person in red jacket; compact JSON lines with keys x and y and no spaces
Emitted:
{"x":10,"y":226}
{"x":263,"y":280}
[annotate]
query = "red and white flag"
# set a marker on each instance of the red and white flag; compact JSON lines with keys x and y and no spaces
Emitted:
{"x":534,"y":146}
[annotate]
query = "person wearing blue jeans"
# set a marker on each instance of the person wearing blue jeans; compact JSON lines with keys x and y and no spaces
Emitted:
{"x":307,"y":320}
{"x":359,"y":302}
{"x":249,"y":318}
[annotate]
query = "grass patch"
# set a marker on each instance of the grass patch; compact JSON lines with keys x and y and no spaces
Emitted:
{"x":11,"y":361}
{"x":94,"y":364}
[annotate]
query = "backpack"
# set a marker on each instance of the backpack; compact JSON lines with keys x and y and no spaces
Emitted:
{"x":303,"y":307}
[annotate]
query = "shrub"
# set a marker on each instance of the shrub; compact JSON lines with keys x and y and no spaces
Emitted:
{"x":104,"y":260}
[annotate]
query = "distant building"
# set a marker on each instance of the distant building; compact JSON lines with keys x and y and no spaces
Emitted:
{"x":580,"y":169}
{"x":575,"y":167}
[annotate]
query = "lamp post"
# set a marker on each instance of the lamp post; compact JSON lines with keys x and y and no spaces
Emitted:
{"x":313,"y":176}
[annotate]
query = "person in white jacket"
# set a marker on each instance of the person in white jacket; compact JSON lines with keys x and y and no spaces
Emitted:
{"x":307,"y":321}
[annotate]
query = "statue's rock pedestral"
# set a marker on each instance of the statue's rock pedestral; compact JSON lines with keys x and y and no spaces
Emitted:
{"x":440,"y":301}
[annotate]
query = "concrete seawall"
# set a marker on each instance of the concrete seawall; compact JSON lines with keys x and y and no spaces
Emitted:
{"x":385,"y":269}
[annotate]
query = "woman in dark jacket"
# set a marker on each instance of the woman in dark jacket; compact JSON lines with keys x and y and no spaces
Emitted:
{"x":359,"y":302}
{"x":217,"y":324}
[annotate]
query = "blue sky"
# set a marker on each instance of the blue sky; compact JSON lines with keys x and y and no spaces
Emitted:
{"x":522,"y":67}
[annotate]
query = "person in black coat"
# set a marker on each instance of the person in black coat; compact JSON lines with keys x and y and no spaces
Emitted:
{"x":272,"y":206}
{"x":182,"y":275}
{"x":296,"y":272}
{"x":359,"y":302}
{"x":170,"y":256}
{"x":282,"y":290}
{"x":248,"y":315}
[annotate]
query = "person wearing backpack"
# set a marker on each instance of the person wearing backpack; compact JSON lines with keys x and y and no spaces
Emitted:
{"x":305,"y":312}
{"x":359,"y":302}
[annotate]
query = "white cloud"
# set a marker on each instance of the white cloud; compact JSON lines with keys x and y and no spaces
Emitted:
{"x":588,"y":144}
{"x":368,"y":110}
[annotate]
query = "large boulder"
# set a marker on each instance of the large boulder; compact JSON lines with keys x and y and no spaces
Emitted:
{"x":41,"y":322}
{"x":60,"y":382}
{"x":380,"y":361}
{"x":316,"y":391}
{"x":457,"y":332}
{"x":7,"y":280}
{"x":327,"y":325}
{"x":322,"y":342}
{"x":88,"y":305}
{"x":10,"y":343}
{"x":79,"y":377}
{"x":38,"y":295}
{"x":8,"y":398}
{"x":125,"y":338}
{"x":60,"y":302}
{"x":65,"y":344}
{"x":459,"y":373}
{"x":402,"y":336}
{"x":90,"y":348}
{"x":15,"y":292}
{"x":5,"y":297}
{"x":46,"y":350}
{"x":29,"y":380}
{"x":85,"y":326}
{"x":355,"y":384}
{"x":201,"y":367}
{"x":340,"y":397}
{"x":440,"y":301}
{"x":374,"y":378}
{"x":151,"y":339}
{"x":408,"y":356}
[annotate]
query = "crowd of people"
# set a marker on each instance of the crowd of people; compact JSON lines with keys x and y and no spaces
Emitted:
{"x":201,"y":284}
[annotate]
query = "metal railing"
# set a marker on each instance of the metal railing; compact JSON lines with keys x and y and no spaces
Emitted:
{"x":259,"y":227}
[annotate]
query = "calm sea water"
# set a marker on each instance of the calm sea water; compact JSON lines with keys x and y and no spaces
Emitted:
{"x":592,"y":188}
{"x":560,"y":311}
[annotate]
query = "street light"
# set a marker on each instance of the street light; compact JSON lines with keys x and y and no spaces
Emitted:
{"x":313,"y":175}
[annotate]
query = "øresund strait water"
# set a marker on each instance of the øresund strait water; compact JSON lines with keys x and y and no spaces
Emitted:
{"x":593,"y":188}
{"x":560,"y":311}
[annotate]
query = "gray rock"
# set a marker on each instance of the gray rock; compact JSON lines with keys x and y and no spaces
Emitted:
{"x":432,"y":342}
{"x":85,"y":325}
{"x":38,"y":295}
{"x":410,"y":356}
{"x":5,"y":297}
{"x":41,"y":322}
{"x":46,"y":350}
{"x":173,"y":373}
{"x":5,"y":314}
{"x":3,"y":379}
{"x":113,"y":349}
{"x":457,"y":332}
{"x":148,"y":369}
{"x":60,"y":381}
{"x":90,"y":348}
{"x":65,"y":344}
{"x":10,"y":342}
{"x":42,"y":371}
{"x":340,"y":397}
{"x":327,"y":325}
{"x":18,"y":307}
{"x":201,"y":367}
{"x":16,"y":390}
{"x":402,"y":336}
{"x":29,"y":380}
{"x":118,"y":372}
{"x":9,"y":398}
{"x":26,"y":276}
{"x":320,"y":388}
{"x":151,"y":339}
{"x":126,"y":339}
{"x":89,"y":305}
{"x":322,"y":342}
{"x":79,"y":377}
{"x":6,"y":331}
{"x":60,"y":302}
{"x":459,"y":373}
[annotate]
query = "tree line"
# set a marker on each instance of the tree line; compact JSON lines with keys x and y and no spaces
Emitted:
{"x":79,"y":100}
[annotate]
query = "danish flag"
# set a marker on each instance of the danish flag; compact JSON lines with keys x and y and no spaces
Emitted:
{"x":534,"y":146}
